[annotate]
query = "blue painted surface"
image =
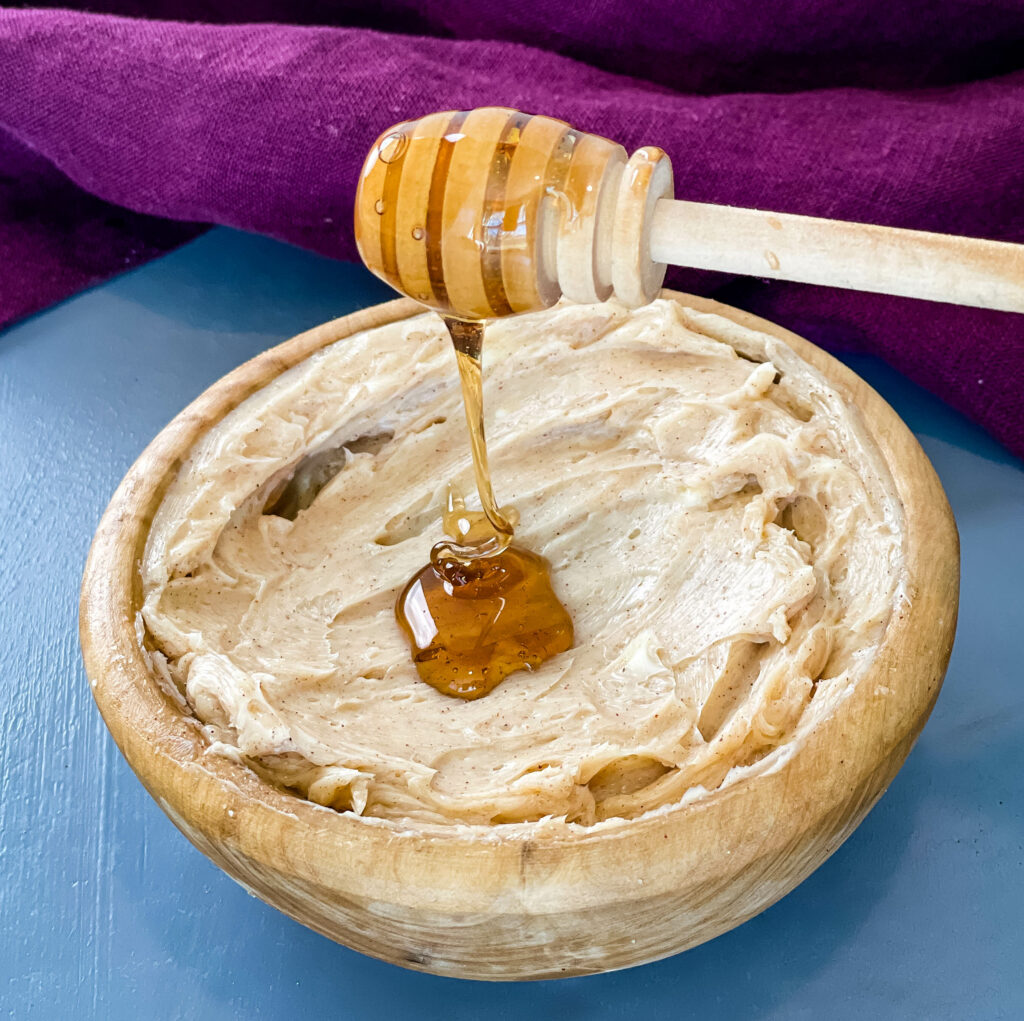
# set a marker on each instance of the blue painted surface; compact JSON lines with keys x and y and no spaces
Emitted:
{"x":107,"y":912}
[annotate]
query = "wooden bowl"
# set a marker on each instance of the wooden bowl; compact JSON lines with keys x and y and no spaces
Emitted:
{"x":482,"y":903}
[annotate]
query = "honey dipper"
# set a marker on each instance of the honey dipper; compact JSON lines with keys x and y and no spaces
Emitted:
{"x":490,"y":212}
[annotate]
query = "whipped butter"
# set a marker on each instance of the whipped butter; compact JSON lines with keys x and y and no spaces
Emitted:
{"x":720,"y":526}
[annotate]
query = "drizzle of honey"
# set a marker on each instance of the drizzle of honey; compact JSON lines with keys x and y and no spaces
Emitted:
{"x":482,"y":608}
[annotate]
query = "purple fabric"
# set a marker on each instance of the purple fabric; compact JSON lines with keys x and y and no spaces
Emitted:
{"x":899,"y":113}
{"x":56,"y":239}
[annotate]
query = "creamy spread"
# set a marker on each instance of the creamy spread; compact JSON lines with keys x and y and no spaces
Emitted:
{"x":719,"y":523}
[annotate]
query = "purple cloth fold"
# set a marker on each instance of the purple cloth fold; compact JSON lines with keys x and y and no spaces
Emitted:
{"x":107,"y":124}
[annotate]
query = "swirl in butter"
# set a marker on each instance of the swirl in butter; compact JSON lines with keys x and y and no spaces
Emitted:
{"x":720,"y":525}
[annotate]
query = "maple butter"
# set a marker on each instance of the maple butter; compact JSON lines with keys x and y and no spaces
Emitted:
{"x":720,"y":528}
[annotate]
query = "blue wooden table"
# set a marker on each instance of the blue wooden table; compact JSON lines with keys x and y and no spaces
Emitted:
{"x":107,"y":912}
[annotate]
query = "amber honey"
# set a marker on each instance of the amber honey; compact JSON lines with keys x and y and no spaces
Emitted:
{"x":482,"y":608}
{"x":472,"y":624}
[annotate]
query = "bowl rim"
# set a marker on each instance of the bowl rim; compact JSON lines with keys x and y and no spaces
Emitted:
{"x":846,"y":759}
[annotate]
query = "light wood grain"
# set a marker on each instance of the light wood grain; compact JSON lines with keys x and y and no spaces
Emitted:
{"x":486,"y":905}
{"x":835,"y":253}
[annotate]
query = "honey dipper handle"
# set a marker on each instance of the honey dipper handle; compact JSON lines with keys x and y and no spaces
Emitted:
{"x":859,"y":256}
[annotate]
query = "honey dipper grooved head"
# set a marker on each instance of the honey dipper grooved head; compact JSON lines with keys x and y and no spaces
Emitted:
{"x":489,"y":212}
